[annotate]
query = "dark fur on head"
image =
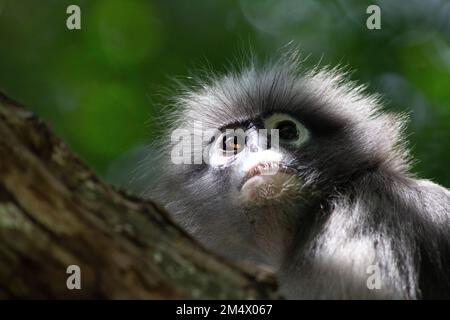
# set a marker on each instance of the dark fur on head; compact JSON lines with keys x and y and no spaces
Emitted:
{"x":358,"y":207}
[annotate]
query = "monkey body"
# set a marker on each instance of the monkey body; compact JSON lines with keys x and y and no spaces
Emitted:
{"x":330,"y":210}
{"x":397,"y":224}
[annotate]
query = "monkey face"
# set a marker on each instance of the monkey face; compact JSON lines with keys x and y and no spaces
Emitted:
{"x":261,"y":169}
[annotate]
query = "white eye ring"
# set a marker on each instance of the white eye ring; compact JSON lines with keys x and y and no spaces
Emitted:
{"x":290,"y":130}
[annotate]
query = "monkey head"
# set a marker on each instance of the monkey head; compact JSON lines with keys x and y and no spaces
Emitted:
{"x":275,"y":144}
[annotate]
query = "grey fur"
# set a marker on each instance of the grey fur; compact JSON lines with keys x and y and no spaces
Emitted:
{"x":358,"y":205}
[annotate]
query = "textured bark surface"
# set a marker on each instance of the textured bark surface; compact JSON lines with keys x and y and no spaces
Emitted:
{"x":54,"y":212}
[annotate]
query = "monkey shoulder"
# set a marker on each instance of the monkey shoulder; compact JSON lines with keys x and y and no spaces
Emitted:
{"x":405,"y":223}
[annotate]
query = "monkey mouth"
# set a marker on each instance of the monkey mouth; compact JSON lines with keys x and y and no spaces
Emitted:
{"x":267,"y":169}
{"x":267,"y":183}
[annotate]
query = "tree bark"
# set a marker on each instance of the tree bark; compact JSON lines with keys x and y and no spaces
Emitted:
{"x":55,"y":212}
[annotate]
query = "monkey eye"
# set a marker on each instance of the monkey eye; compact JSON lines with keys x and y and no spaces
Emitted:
{"x":225,"y":146}
{"x":289,"y":129}
{"x":231,"y":144}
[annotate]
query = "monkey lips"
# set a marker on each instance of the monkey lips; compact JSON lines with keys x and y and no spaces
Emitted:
{"x":267,"y":184}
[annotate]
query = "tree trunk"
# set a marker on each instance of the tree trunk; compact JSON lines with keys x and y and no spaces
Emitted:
{"x":55,"y":212}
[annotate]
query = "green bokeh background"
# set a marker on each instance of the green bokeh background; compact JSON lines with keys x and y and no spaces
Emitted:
{"x":99,"y":86}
